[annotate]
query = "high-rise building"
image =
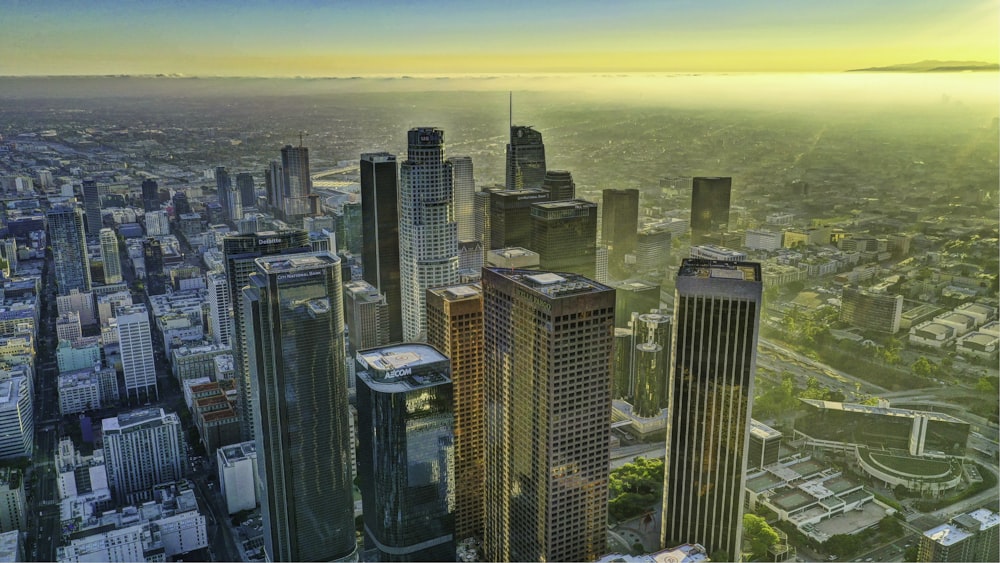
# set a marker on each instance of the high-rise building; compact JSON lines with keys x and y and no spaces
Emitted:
{"x":274,"y":186}
{"x":510,"y":216}
{"x":652,"y":250}
{"x":248,"y":194}
{"x":465,"y":187}
{"x":765,"y":446}
{"x":428,"y":235}
{"x":548,"y":342}
{"x":973,"y":536}
{"x":870,"y":310}
{"x":366,"y":314}
{"x":619,"y":225}
{"x":709,"y":207}
{"x":181,"y":204}
{"x":110,"y":258}
{"x":405,"y":452}
{"x":150,"y":195}
{"x":142,"y":448}
{"x":564,"y":234}
{"x":138,"y":363}
{"x":224,"y":189}
{"x":69,"y":249}
{"x":621,"y":369}
{"x":17,"y":419}
{"x":240,"y":251}
{"x":455,"y":327}
{"x":380,"y":224}
{"x":710,"y":395}
{"x":559,"y":184}
{"x":220,"y":308}
{"x":297,"y":198}
{"x":295,"y":342}
{"x":353,"y":231}
{"x":525,"y":158}
{"x":634,"y":296}
{"x":13,"y":501}
{"x":92,"y":205}
{"x":650,"y":363}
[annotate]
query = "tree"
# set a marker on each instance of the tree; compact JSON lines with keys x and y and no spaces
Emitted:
{"x":923,"y":367}
{"x":890,"y":526}
{"x":842,"y":544}
{"x":759,"y":534}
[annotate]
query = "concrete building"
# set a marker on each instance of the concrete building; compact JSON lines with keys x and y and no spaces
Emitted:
{"x":465,"y":186}
{"x":193,"y":360}
{"x":68,"y":326}
{"x":11,"y":547}
{"x":238,"y":478}
{"x":13,"y":503}
{"x":87,"y":389}
{"x":366,"y":314}
{"x":548,"y":347}
{"x":136,"y":345}
{"x":455,"y":327}
{"x":220,"y":308}
{"x":142,"y":448}
{"x":79,"y":302}
{"x":967,"y":537}
{"x":17,"y":419}
{"x":406,"y":452}
{"x":109,"y":256}
{"x":513,"y":258}
{"x":765,"y":446}
{"x":157,"y":223}
{"x":761,"y":239}
{"x":871,"y":311}
{"x":428,"y":234}
{"x":714,"y":252}
{"x":79,"y":475}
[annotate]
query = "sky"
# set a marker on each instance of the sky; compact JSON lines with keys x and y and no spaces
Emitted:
{"x":449,"y":37}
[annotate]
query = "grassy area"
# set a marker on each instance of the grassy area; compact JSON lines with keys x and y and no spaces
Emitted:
{"x":912,"y":466}
{"x":989,"y":481}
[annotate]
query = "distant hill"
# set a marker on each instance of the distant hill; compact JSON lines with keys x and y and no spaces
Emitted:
{"x":933,"y":66}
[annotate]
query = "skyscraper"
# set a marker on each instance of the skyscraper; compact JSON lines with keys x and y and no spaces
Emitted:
{"x":548,"y":353}
{"x":455,"y":327}
{"x":92,"y":205}
{"x":380,"y":224}
{"x":224,"y":189}
{"x":619,"y":225}
{"x":150,"y":195}
{"x":109,"y":255}
{"x":142,"y":448}
{"x":353,"y":239}
{"x":710,"y":394}
{"x":559,"y":184}
{"x":510,"y":216}
{"x":248,"y":194}
{"x":405,"y":452}
{"x":634,"y":296}
{"x":366,"y":314}
{"x":428,"y":235}
{"x":465,"y":187}
{"x":136,"y":344}
{"x":295,"y":342}
{"x":297,"y":198}
{"x":525,"y":158}
{"x":220,"y":308}
{"x":709,"y":207}
{"x":69,"y":249}
{"x":240,"y":251}
{"x":564,"y":234}
{"x":274,"y":186}
{"x":650,"y":364}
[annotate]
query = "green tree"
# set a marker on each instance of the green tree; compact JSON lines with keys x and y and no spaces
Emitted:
{"x":911,"y":553}
{"x":924,"y":367}
{"x":758,"y":534}
{"x":842,"y":545}
{"x":890,"y":526}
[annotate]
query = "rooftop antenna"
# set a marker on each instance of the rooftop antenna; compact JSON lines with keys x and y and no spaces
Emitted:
{"x":510,"y":113}
{"x":302,"y":134}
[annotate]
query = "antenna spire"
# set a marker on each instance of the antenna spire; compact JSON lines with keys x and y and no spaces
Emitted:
{"x":510,"y":113}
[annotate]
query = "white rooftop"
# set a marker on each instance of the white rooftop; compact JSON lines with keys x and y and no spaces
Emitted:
{"x":546,"y":278}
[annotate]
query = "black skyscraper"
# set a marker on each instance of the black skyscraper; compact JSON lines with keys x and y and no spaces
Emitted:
{"x":619,"y":225}
{"x":559,"y":184}
{"x":510,"y":216}
{"x":92,"y":205}
{"x":248,"y":195}
{"x":380,"y":225}
{"x":150,"y":196}
{"x":709,"y":207}
{"x":525,"y":158}
{"x":564,"y":234}
{"x":223,"y":186}
{"x":181,"y":204}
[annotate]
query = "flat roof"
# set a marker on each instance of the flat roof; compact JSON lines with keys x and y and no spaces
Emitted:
{"x":454,"y":292}
{"x":886,"y":411}
{"x":764,"y":432}
{"x":290,"y":262}
{"x":698,"y":268}
{"x":400,"y":355}
{"x":987,"y":519}
{"x":947,"y":534}
{"x":133,"y":418}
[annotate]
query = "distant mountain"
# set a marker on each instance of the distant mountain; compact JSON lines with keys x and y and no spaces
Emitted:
{"x":933,"y":66}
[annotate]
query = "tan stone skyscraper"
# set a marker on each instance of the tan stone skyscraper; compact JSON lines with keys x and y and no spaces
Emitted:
{"x":548,"y":342}
{"x":455,"y":327}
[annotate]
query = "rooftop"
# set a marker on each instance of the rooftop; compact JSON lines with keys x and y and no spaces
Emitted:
{"x":236,"y":452}
{"x":695,"y":268}
{"x":458,"y":292}
{"x":135,"y":418}
{"x":762,"y":431}
{"x":947,"y":534}
{"x":399,"y":356}
{"x":292,"y":262}
{"x":886,"y":411}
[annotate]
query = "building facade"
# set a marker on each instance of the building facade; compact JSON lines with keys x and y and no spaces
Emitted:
{"x":619,"y":225}
{"x":548,"y":342}
{"x":710,"y":198}
{"x":564,"y":234}
{"x":69,"y":249}
{"x":465,"y":187}
{"x":109,"y":256}
{"x":136,"y":345}
{"x":455,"y":327}
{"x":710,"y":395}
{"x":380,"y":223}
{"x":295,"y":344}
{"x":428,"y":234}
{"x":142,"y":448}
{"x":406,"y":452}
{"x":525,"y":158}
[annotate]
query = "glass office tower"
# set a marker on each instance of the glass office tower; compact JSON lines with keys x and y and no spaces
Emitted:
{"x":406,"y":452}
{"x":710,"y":397}
{"x":295,"y":342}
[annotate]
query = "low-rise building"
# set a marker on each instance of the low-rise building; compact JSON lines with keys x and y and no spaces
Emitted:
{"x":978,"y":344}
{"x":238,"y":479}
{"x":932,"y":334}
{"x":82,"y":353}
{"x":195,"y":360}
{"x":714,"y":252}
